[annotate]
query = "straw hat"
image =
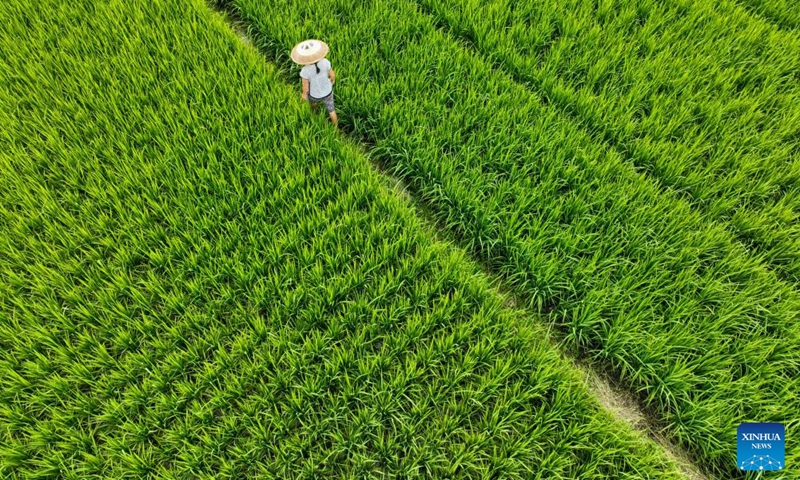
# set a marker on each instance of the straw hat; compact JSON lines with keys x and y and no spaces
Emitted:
{"x":309,"y":51}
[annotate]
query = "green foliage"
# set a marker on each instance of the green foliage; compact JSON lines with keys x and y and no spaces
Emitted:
{"x":783,"y":13}
{"x":699,"y":96}
{"x":199,"y":280}
{"x":635,"y":276}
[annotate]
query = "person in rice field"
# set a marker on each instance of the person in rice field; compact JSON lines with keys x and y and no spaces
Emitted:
{"x":317,"y":75}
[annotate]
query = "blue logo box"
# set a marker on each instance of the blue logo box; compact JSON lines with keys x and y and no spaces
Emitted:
{"x":761,"y":446}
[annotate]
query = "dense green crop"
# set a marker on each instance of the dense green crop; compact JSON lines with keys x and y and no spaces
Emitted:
{"x":783,"y":13}
{"x":707,"y":102}
{"x":197,"y":280}
{"x":632,"y":275}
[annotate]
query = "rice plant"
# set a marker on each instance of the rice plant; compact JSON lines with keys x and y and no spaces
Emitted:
{"x":783,"y":13}
{"x":699,"y":95}
{"x":200,"y":280}
{"x":635,"y":277}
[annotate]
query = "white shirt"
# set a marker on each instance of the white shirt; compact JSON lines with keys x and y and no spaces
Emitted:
{"x":320,"y":84}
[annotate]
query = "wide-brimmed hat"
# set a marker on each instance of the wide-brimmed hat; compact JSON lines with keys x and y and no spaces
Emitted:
{"x":309,"y":51}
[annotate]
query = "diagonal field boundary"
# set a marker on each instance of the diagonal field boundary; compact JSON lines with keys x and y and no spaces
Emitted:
{"x":612,"y":397}
{"x":270,"y":35}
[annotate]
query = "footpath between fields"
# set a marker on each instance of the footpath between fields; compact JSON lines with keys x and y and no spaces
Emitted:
{"x":614,"y":398}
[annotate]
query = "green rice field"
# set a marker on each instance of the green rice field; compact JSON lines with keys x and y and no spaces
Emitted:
{"x":783,"y":13}
{"x":201,"y":278}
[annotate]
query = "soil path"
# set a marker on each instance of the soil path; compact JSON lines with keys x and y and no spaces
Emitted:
{"x":613,"y":398}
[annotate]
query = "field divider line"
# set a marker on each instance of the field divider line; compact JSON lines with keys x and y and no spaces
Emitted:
{"x":610,"y":395}
{"x":603,"y":136}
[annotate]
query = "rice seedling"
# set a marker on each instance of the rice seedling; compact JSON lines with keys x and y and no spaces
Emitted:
{"x":635,"y":278}
{"x":699,"y":95}
{"x":783,"y":13}
{"x":200,"y":280}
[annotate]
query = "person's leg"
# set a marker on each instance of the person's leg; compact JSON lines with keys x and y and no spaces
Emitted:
{"x":331,"y":109}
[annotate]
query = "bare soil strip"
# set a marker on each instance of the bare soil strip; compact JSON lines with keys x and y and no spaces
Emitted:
{"x":613,"y":398}
{"x":624,"y":407}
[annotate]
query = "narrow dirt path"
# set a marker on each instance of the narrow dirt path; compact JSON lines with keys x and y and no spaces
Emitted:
{"x":616,"y":399}
{"x":624,"y":407}
{"x":613,"y":398}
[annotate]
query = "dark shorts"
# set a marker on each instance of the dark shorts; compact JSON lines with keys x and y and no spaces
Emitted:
{"x":327,"y":101}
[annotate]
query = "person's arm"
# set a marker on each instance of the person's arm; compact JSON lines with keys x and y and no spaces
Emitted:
{"x":304,"y":95}
{"x":332,"y":76}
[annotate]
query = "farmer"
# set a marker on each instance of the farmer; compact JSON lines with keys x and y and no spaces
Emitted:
{"x":317,"y":74}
